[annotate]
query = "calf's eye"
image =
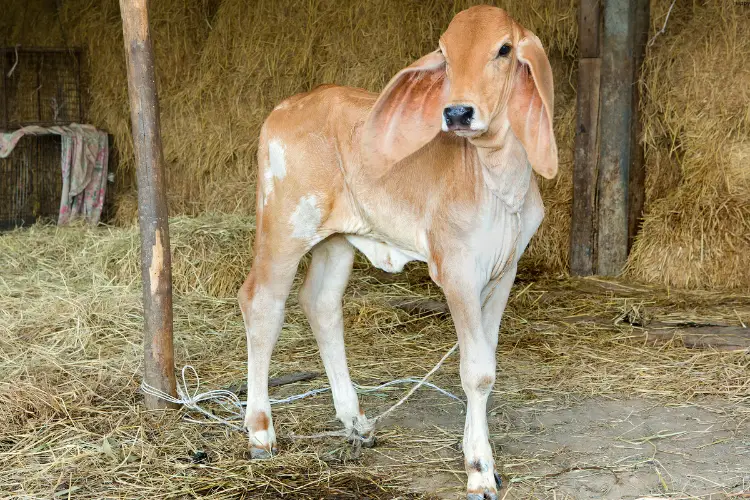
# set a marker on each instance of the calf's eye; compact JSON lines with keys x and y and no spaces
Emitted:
{"x":504,"y":50}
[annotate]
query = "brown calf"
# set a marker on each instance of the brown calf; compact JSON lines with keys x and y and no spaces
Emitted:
{"x":436,"y":168}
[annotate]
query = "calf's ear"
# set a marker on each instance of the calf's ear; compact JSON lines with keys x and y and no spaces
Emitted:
{"x":407,"y":114}
{"x":531,"y":105}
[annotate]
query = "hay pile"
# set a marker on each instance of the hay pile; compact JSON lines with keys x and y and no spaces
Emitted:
{"x":696,"y":232}
{"x":223,"y":64}
{"x":70,"y":352}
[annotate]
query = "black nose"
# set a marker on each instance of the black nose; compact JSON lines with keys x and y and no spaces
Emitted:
{"x":458,"y":115}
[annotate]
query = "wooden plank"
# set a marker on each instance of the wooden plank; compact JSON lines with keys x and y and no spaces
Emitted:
{"x":241,"y":387}
{"x":615,"y":136}
{"x":582,"y":228}
{"x":156,"y":262}
{"x":38,"y":91}
{"x":720,"y":338}
{"x":78,"y":55}
{"x":4,"y":77}
{"x":588,"y":29}
{"x":637,"y":181}
{"x":586,"y":151}
{"x":420,"y":306}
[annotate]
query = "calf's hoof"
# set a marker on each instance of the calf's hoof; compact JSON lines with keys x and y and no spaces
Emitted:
{"x":261,"y":435}
{"x":361,"y":432}
{"x":486,"y":493}
{"x":262,"y":453}
{"x":368,"y":441}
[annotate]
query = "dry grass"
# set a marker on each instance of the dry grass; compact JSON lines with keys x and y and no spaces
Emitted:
{"x":696,"y":231}
{"x":70,"y":354}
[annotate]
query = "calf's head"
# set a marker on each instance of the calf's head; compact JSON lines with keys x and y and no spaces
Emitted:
{"x":488,"y":75}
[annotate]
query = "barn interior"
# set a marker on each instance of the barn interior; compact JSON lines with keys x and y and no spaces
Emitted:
{"x":606,"y":387}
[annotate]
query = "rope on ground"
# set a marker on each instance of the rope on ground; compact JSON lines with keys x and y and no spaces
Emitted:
{"x":234,"y":407}
{"x":418,"y":385}
{"x":228,"y":400}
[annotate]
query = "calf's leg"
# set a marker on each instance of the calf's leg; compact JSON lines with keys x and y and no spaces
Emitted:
{"x":262,"y":298}
{"x":477,"y":367}
{"x":320,"y":298}
{"x":496,"y":299}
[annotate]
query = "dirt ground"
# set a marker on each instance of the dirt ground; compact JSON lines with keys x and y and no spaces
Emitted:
{"x":592,"y":448}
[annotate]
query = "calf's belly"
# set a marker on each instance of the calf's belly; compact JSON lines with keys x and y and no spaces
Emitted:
{"x":383,"y":255}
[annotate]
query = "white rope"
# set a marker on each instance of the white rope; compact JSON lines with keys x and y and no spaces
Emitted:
{"x":13,"y":68}
{"x":234,"y":407}
{"x":363,"y":430}
{"x":363,"y":389}
{"x":417,"y":386}
{"x":226,"y":399}
{"x":663,"y":28}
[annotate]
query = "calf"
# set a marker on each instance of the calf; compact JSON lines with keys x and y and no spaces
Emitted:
{"x":436,"y":168}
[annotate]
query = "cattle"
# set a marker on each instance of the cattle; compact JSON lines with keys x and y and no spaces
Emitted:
{"x":436,"y":168}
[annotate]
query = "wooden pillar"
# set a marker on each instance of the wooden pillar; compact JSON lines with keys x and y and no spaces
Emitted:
{"x":156,"y":262}
{"x":609,"y":172}
{"x":615,"y":133}
{"x":637,"y":181}
{"x":583,"y":223}
{"x":4,"y":78}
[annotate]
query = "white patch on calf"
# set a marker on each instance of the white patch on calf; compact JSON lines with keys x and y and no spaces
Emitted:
{"x":276,"y":168}
{"x":305,"y":219}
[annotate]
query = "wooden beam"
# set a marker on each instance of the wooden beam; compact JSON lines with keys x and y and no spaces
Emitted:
{"x":420,"y":306}
{"x":583,"y":222}
{"x":4,"y":78}
{"x":693,"y":336}
{"x":589,"y":24}
{"x":637,"y":181}
{"x":583,"y":228}
{"x":615,"y":134}
{"x":719,"y":337}
{"x":156,"y":262}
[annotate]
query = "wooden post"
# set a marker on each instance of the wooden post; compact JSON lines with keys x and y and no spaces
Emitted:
{"x":637,"y":181}
{"x":609,"y":171}
{"x":156,"y":262}
{"x":583,"y":228}
{"x":615,"y":133}
{"x":4,"y":78}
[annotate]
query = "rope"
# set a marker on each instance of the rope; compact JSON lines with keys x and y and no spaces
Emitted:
{"x":234,"y":407}
{"x":663,"y":28}
{"x":13,"y":68}
{"x":363,"y":389}
{"x":418,"y":385}
{"x":226,"y":399}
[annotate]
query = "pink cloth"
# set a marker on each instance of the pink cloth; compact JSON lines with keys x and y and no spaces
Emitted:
{"x":83,"y":161}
